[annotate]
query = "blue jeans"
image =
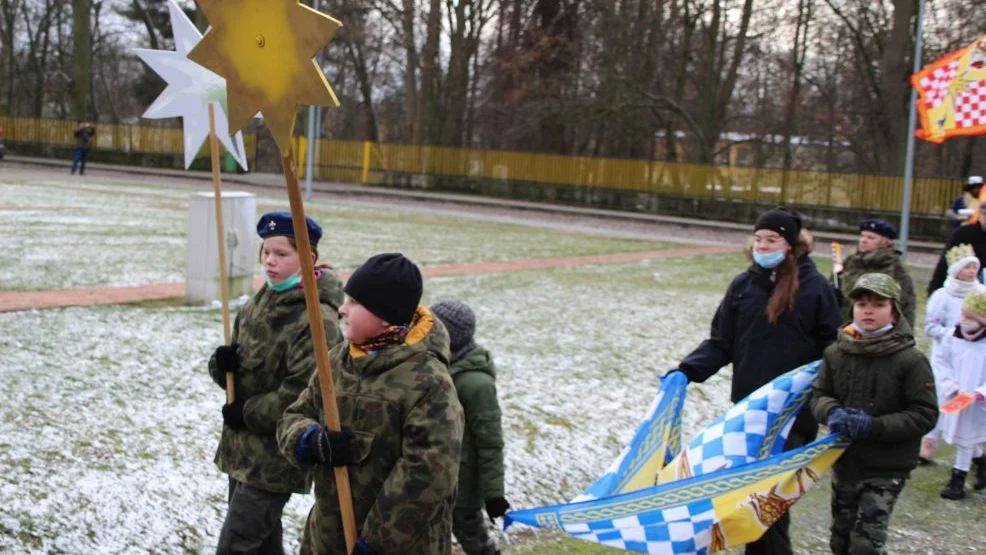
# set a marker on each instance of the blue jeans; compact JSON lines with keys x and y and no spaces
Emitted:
{"x":79,"y":156}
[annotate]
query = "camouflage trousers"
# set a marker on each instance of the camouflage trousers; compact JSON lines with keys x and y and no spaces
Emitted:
{"x":861,"y":512}
{"x":470,"y":529}
{"x":253,"y":521}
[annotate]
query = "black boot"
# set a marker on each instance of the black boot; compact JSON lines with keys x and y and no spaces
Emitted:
{"x":980,"y":463}
{"x":956,"y":485}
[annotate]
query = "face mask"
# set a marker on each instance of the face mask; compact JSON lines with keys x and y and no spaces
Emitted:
{"x":970,"y":326}
{"x":769,"y":260}
{"x":285,"y":285}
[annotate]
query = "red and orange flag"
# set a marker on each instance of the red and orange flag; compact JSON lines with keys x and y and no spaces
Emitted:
{"x":952,"y":93}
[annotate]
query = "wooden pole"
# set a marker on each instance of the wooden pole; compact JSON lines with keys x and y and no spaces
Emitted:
{"x":329,"y":407}
{"x":221,"y":243}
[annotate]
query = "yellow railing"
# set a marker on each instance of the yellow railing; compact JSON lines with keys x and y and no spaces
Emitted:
{"x":109,"y":137}
{"x":360,"y":162}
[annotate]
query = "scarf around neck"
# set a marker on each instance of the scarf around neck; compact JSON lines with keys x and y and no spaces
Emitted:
{"x":872,"y":334}
{"x":394,"y":335}
{"x":959,"y":288}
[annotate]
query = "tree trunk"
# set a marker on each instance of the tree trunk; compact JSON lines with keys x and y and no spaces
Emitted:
{"x":411,"y":118}
{"x":798,"y":52}
{"x":894,"y":88}
{"x":82,"y":59}
{"x":355,"y":51}
{"x":427,"y":110}
{"x":8,"y":13}
{"x":457,"y":83}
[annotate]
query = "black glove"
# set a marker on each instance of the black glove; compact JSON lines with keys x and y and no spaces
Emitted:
{"x":226,"y":358}
{"x":496,"y":507}
{"x":332,"y":448}
{"x":233,"y":415}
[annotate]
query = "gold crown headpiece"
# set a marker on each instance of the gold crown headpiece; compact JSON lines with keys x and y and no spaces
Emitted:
{"x":958,"y":252}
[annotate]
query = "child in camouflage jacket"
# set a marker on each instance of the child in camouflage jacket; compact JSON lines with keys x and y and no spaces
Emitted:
{"x":271,"y":359}
{"x":401,"y":421}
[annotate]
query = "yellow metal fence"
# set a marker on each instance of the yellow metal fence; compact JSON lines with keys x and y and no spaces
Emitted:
{"x":108,"y":137}
{"x":356,"y":161}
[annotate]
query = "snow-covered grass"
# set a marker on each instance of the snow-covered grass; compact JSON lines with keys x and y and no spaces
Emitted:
{"x":109,"y":422}
{"x":64,"y":234}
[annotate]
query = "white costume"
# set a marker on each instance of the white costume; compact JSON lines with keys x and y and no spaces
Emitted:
{"x":963,"y":366}
{"x":943,"y":312}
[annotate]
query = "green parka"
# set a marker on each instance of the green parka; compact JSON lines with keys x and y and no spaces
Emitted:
{"x":889,"y":379}
{"x":407,"y":423}
{"x":277,"y":361}
{"x":481,"y":468}
{"x":879,"y":261}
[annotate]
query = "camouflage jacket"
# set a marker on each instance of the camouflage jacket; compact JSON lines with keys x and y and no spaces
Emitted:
{"x":277,"y":360}
{"x":407,"y":424}
{"x":481,"y":468}
{"x":880,"y":261}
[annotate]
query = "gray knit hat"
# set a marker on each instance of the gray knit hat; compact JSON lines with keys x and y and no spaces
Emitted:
{"x":460,"y":321}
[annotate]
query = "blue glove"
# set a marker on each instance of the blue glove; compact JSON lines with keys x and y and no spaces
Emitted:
{"x":363,"y":548}
{"x":858,"y":424}
{"x":838,"y":420}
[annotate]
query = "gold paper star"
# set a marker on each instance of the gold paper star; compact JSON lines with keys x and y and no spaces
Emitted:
{"x":265,"y":49}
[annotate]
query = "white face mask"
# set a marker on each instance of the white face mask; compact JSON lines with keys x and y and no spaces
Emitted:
{"x":970,"y":326}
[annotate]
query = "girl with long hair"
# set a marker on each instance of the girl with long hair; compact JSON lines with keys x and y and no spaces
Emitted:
{"x":778,"y":314}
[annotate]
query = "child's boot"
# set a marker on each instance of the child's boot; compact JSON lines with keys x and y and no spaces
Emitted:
{"x":928,"y":448}
{"x":980,"y":463}
{"x":956,"y":485}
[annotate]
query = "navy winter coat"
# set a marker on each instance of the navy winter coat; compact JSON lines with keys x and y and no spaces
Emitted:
{"x":758,"y":350}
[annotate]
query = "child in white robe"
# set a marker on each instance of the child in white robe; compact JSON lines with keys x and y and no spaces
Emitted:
{"x":961,"y":356}
{"x":943,"y":312}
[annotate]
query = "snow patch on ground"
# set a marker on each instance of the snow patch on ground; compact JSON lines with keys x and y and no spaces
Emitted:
{"x":110,"y":420}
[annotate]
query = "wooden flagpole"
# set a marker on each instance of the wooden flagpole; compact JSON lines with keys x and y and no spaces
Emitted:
{"x":221,"y":243}
{"x":317,"y":327}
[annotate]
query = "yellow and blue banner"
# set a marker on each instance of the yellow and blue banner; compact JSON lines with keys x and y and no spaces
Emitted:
{"x":730,"y":484}
{"x":656,"y":442}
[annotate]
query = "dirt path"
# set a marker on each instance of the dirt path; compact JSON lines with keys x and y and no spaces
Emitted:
{"x":14,"y":301}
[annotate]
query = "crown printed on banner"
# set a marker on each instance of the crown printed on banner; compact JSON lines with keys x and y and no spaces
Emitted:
{"x":958,"y":252}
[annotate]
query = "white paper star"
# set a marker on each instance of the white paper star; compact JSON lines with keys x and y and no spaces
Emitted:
{"x":190,"y":89}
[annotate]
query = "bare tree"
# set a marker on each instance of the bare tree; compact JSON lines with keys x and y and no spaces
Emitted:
{"x":81,"y":60}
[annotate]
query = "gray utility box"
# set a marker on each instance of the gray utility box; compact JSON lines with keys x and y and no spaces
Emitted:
{"x":202,"y":260}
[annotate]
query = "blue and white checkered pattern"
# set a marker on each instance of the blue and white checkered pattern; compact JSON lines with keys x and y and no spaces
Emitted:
{"x":737,"y":451}
{"x":682,"y":529}
{"x":738,"y":437}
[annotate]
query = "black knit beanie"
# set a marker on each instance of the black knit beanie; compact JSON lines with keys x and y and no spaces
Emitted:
{"x":787,"y":223}
{"x":460,"y":321}
{"x":388,"y":285}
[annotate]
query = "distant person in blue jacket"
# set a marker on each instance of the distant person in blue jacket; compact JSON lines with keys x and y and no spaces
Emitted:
{"x":84,"y":132}
{"x":965,"y":204}
{"x":778,"y":314}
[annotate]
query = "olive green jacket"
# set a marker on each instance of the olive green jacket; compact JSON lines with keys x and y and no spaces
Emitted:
{"x":889,"y":379}
{"x":481,"y":469}
{"x":879,"y":261}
